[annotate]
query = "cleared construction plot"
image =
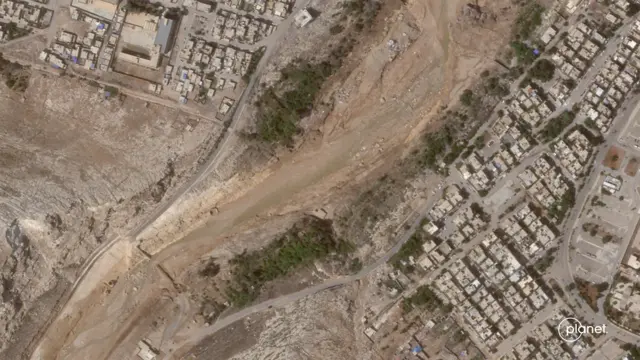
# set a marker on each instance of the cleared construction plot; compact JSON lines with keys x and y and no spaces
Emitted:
{"x":632,"y":167}
{"x":614,"y":158}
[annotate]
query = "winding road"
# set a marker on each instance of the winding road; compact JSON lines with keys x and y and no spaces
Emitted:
{"x":233,"y":120}
{"x":415,"y":218}
{"x":561,"y":270}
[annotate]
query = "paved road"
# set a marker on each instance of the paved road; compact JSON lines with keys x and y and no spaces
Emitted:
{"x":196,"y":335}
{"x":201,"y":174}
{"x":414,"y":218}
{"x":566,"y":278}
{"x":538,"y":319}
{"x":562,"y":270}
{"x":34,"y":34}
{"x":199,"y":334}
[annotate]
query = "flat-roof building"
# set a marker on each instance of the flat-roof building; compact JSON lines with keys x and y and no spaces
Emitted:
{"x":104,"y":9}
{"x":145,"y":38}
{"x":303,"y":17}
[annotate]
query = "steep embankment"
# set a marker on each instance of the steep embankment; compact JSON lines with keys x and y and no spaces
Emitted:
{"x":76,"y":169}
{"x":415,"y":59}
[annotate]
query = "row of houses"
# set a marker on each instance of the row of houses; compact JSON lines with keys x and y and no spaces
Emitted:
{"x":83,"y":51}
{"x":573,"y":152}
{"x":492,"y":291}
{"x":559,"y":92}
{"x":444,"y":206}
{"x":244,"y":29}
{"x":580,"y":46}
{"x":613,"y":82}
{"x":480,"y":172}
{"x":95,"y":49}
{"x":618,"y":10}
{"x":528,"y":232}
{"x":21,"y":16}
{"x":206,"y":63}
{"x":544,"y":182}
{"x":544,"y":342}
{"x":214,"y":57}
{"x":528,"y":106}
{"x":277,"y":8}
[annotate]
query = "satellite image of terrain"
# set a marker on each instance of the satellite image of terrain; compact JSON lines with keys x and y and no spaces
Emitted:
{"x":320,"y":179}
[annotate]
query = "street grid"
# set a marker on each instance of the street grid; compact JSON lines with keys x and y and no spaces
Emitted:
{"x":507,"y":190}
{"x":579,"y":253}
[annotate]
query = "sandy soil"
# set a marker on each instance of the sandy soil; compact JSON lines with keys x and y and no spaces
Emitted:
{"x":381,"y":107}
{"x":614,"y":158}
{"x":632,"y":167}
{"x":77,"y":170}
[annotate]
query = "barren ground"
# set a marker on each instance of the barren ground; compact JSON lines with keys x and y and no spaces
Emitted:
{"x":381,"y":103}
{"x":632,"y":167}
{"x":76,"y":170}
{"x":614,"y":158}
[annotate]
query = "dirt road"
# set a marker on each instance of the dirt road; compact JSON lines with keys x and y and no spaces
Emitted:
{"x":210,"y":165}
{"x":196,"y":335}
{"x":383,"y":103}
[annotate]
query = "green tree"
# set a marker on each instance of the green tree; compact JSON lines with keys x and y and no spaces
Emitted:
{"x":543,"y":70}
{"x":467,"y":97}
{"x":529,"y":18}
{"x":524,"y":54}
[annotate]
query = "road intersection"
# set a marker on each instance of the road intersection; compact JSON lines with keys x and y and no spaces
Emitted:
{"x":231,"y":123}
{"x":561,"y":270}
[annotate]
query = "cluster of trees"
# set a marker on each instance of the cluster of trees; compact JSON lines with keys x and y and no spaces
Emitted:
{"x":466,"y":98}
{"x":479,"y":211}
{"x":145,"y":6}
{"x":253,"y":63}
{"x":435,"y":146}
{"x":529,"y":18}
{"x":634,"y":351}
{"x":278,"y":115}
{"x":595,"y":140}
{"x":590,"y":123}
{"x":16,"y":76}
{"x":413,"y":247}
{"x":545,"y":262}
{"x":542,"y":69}
{"x":362,"y":9}
{"x":595,"y":201}
{"x":591,"y":292}
{"x":306,"y":242}
{"x":556,"y":126}
{"x":493,"y":86}
{"x":281,"y":106}
{"x":175,"y":13}
{"x":558,"y":210}
{"x":523,"y":53}
{"x":633,"y":9}
{"x":14,"y":31}
{"x":211,"y":269}
{"x":423,"y":298}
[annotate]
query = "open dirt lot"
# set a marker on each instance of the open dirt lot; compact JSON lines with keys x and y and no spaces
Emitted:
{"x":632,"y":167}
{"x":75,"y":146}
{"x":76,"y":170}
{"x":614,"y":158}
{"x":590,"y":293}
{"x":381,"y":104}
